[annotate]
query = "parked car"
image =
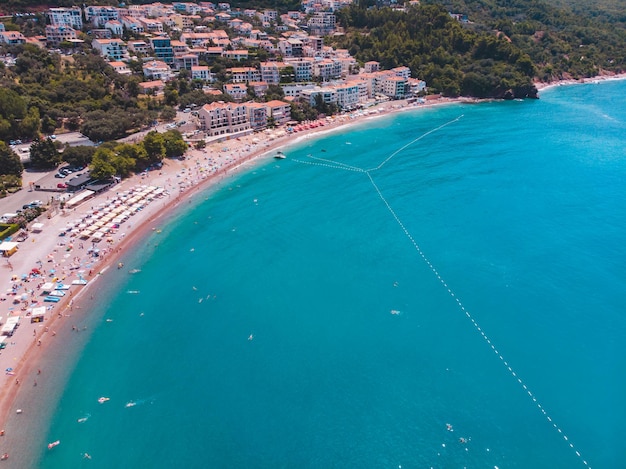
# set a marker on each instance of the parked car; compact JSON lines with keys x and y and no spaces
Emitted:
{"x":21,"y":236}
{"x":62,"y":185}
{"x":60,"y":175}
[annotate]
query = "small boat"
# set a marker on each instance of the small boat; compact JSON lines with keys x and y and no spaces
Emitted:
{"x":53,"y":444}
{"x":280,"y":155}
{"x":102,"y":400}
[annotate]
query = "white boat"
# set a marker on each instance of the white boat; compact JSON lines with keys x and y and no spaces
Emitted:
{"x":280,"y":155}
{"x":53,"y":444}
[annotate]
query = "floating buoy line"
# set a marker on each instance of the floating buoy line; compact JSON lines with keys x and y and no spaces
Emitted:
{"x":327,"y":163}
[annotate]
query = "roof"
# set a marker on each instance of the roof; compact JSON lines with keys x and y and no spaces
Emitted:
{"x":79,"y":180}
{"x":151,"y":84}
{"x":276,"y":103}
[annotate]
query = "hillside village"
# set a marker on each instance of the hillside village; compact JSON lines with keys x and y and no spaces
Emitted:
{"x":186,"y":39}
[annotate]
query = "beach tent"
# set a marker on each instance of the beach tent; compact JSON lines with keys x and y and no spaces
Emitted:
{"x":8,"y":329}
{"x":84,"y":195}
{"x":7,"y":248}
{"x":46,"y":287}
{"x":38,"y":314}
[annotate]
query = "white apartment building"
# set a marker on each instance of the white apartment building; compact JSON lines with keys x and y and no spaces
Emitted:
{"x":99,"y":15}
{"x":236,"y":55}
{"x":328,"y":95}
{"x":404,"y":72}
{"x":57,"y":34}
{"x":347,"y":95}
{"x":295,"y":90}
{"x":280,"y":111}
{"x":133,"y":25}
{"x":257,"y":115}
{"x":72,"y":17}
{"x":201,"y":72}
{"x":327,"y":69}
{"x":112,"y":49}
{"x":395,"y":87}
{"x":245,"y":74}
{"x":322,"y":23}
{"x":238,"y":91}
{"x":116,"y":28}
{"x":186,"y":61}
{"x":371,"y":66}
{"x":138,"y":47}
{"x":270,"y":72}
{"x":151,"y":26}
{"x":303,"y":68}
{"x":157,"y":70}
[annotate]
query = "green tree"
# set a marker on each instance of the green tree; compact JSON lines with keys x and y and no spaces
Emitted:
{"x":154,"y":144}
{"x":168,"y":113}
{"x":80,"y":155}
{"x":135,"y":152}
{"x":44,"y":155}
{"x":10,"y":163}
{"x":31,"y":124}
{"x":101,"y":167}
{"x":174,"y":144}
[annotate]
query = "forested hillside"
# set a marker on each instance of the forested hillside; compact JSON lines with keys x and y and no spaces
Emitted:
{"x":451,"y":58}
{"x":564,"y":38}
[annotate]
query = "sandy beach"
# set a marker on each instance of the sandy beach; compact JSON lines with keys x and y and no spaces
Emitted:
{"x":125,"y":214}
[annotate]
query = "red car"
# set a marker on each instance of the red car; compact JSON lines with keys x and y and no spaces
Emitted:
{"x":62,"y":185}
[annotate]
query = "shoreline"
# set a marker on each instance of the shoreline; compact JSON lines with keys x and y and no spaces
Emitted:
{"x":192,"y":180}
{"x":541,"y":86}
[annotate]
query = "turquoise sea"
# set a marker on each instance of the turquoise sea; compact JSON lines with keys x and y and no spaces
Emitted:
{"x":464,"y":305}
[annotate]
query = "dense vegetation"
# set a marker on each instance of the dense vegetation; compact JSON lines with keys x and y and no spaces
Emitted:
{"x":451,"y":59}
{"x":564,"y":38}
{"x":43,"y":92}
